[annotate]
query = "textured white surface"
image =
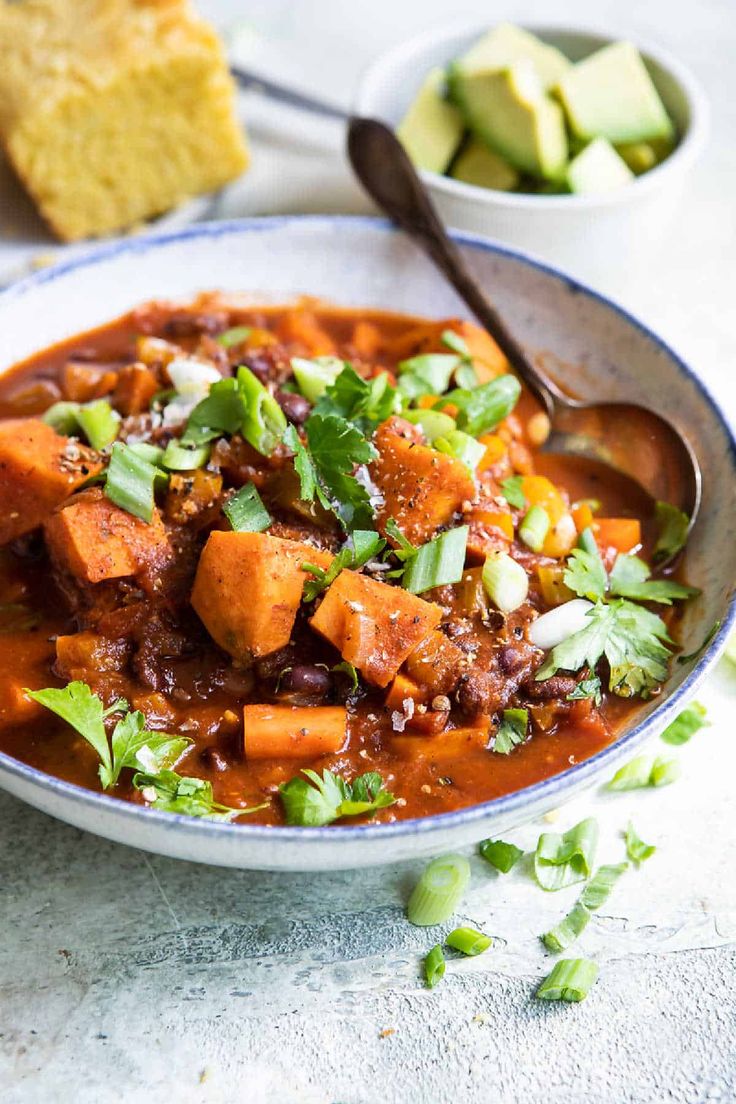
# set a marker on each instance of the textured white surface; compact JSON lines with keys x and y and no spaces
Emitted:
{"x":125,"y":977}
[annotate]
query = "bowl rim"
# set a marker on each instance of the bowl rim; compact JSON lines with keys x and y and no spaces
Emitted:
{"x":548,"y":791}
{"x":684,"y":155}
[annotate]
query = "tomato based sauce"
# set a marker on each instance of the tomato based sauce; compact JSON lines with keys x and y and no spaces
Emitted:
{"x":138,"y":637}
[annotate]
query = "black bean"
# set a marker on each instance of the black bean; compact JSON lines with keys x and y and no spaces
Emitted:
{"x":260,"y":366}
{"x":306,"y":679}
{"x":295,"y":407}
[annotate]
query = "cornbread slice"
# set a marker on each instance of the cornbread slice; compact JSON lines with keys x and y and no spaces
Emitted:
{"x":112,"y":111}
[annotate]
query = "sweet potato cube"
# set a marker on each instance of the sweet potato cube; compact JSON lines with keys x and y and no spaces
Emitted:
{"x":135,"y":387}
{"x":293,"y":732}
{"x":93,"y":539}
{"x":38,"y":469}
{"x":421,"y":487}
{"x":436,"y":664}
{"x":373,"y":625}
{"x":248,"y":589}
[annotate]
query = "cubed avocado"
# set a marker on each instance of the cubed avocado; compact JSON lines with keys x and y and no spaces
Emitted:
{"x":479,"y":165}
{"x":611,"y":95}
{"x":509,"y":111}
{"x":598,"y":169}
{"x":432,"y":128}
{"x":643,"y":156}
{"x":505,"y":44}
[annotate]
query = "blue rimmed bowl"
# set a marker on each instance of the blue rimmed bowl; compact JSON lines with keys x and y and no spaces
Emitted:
{"x":364,"y":262}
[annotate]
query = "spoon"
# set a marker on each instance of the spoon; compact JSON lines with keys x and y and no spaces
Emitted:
{"x":623,"y":435}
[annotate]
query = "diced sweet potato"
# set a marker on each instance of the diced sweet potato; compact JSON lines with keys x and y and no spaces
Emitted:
{"x":248,"y":589}
{"x":454,"y":743}
{"x":421,"y":487}
{"x":193,"y":495}
{"x":293,"y":732}
{"x":436,"y":664}
{"x":404,"y":689}
{"x":83,"y":382}
{"x":93,"y":539}
{"x":136,"y":385}
{"x":38,"y":470}
{"x":373,"y":625}
{"x":37,"y":650}
{"x":300,"y":327}
{"x":81,"y":653}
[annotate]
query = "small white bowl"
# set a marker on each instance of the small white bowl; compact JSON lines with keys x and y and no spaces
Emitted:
{"x":597,"y":237}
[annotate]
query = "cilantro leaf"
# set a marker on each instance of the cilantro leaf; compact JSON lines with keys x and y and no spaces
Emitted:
{"x":221,"y":412}
{"x":587,"y":688}
{"x":336,"y":447}
{"x":673,"y":527}
{"x":134,"y":746}
{"x":585,"y":574}
{"x":365,"y":403}
{"x":512,"y":492}
{"x":314,"y":801}
{"x":512,"y":730}
{"x":480,"y":409}
{"x":429,"y":374}
{"x":84,"y":711}
{"x":363,"y":545}
{"x":630,"y":578}
{"x":174,"y":793}
{"x":404,"y":548}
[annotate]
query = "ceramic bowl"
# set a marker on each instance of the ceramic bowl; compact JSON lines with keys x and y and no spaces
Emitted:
{"x":363,"y":261}
{"x":600,"y":238}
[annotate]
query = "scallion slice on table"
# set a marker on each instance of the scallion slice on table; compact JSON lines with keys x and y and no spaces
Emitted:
{"x":439,"y":562}
{"x":434,"y":966}
{"x":664,"y":772}
{"x":534,"y":528}
{"x":439,"y":891}
{"x":99,"y":423}
{"x":570,"y":980}
{"x":637,"y":850}
{"x":130,"y":482}
{"x":245,"y":511}
{"x":504,"y":856}
{"x":563,"y":860}
{"x":598,"y":889}
{"x":685,"y":725}
{"x":469,"y":941}
{"x":568,"y":930}
{"x":642,"y":772}
{"x":505,"y":581}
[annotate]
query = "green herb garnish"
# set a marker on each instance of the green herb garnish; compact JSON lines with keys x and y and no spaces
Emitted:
{"x":439,"y":562}
{"x":439,"y":891}
{"x":637,"y":850}
{"x":570,"y":980}
{"x":685,"y":725}
{"x":562,"y":860}
{"x":673,"y":527}
{"x":512,"y":492}
{"x":245,"y":511}
{"x":512,"y":730}
{"x":130,"y":482}
{"x":504,"y":856}
{"x":363,"y":545}
{"x":312,"y":801}
{"x":193,"y":797}
{"x":434,"y":966}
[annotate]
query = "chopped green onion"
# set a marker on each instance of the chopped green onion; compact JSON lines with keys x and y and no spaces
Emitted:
{"x":454,"y":341}
{"x":685,"y":725}
{"x":634,"y":775}
{"x":439,"y":891}
{"x":534,"y":528}
{"x":466,"y":377}
{"x":264,"y":422}
{"x":433,"y":423}
{"x":426,"y":375}
{"x":469,"y":941}
{"x":599,"y":888}
{"x":568,"y":930}
{"x":236,"y":335}
{"x":221,"y":412}
{"x":130,"y":482}
{"x":504,"y":856}
{"x":673,"y":527}
{"x":512,"y":730}
{"x":512,"y":492}
{"x":462,"y":447}
{"x":570,"y":980}
{"x":152,"y":453}
{"x":587,"y":542}
{"x":315,"y":376}
{"x":99,"y":423}
{"x":637,"y":850}
{"x":664,"y":772}
{"x":434,"y":966}
{"x":62,"y":416}
{"x":178,"y":457}
{"x":505,"y":581}
{"x":405,"y":547}
{"x":482,"y":408}
{"x":437,"y":563}
{"x":561,"y":861}
{"x":245,"y":511}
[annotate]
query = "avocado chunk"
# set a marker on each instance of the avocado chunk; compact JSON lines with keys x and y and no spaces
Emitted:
{"x":479,"y":165}
{"x":509,"y":111}
{"x":611,"y":95}
{"x":506,"y":44}
{"x":432,"y":128}
{"x":643,"y":156}
{"x":598,"y":169}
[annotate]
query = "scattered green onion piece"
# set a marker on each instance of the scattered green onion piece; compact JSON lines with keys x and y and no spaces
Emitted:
{"x":245,"y":511}
{"x":512,"y":492}
{"x":685,"y":725}
{"x":221,"y":412}
{"x":469,"y":941}
{"x":664,"y":772}
{"x":454,"y":341}
{"x":568,"y":930}
{"x":434,"y":966}
{"x":152,"y":453}
{"x":62,"y":416}
{"x":504,"y":856}
{"x":462,"y":447}
{"x":632,"y":776}
{"x":512,"y":730}
{"x":439,"y":562}
{"x":439,"y":891}
{"x":587,"y":542}
{"x":264,"y":421}
{"x":313,"y":377}
{"x":570,"y":980}
{"x":466,"y":377}
{"x":405,"y":548}
{"x":236,"y":335}
{"x":637,"y":850}
{"x":178,"y":457}
{"x":426,"y":375}
{"x":505,"y":581}
{"x":482,"y":408}
{"x":433,"y":423}
{"x":561,"y":861}
{"x":130,"y":482}
{"x":99,"y":423}
{"x":599,"y":888}
{"x":534,"y":528}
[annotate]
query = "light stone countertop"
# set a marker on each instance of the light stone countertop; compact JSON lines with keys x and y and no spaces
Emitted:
{"x":131,"y":977}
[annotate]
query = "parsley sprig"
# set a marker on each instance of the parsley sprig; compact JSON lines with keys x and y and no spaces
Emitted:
{"x":314,"y":801}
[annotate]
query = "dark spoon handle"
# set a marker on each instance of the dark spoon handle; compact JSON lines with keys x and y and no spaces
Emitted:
{"x":290,"y":96}
{"x":385,"y":171}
